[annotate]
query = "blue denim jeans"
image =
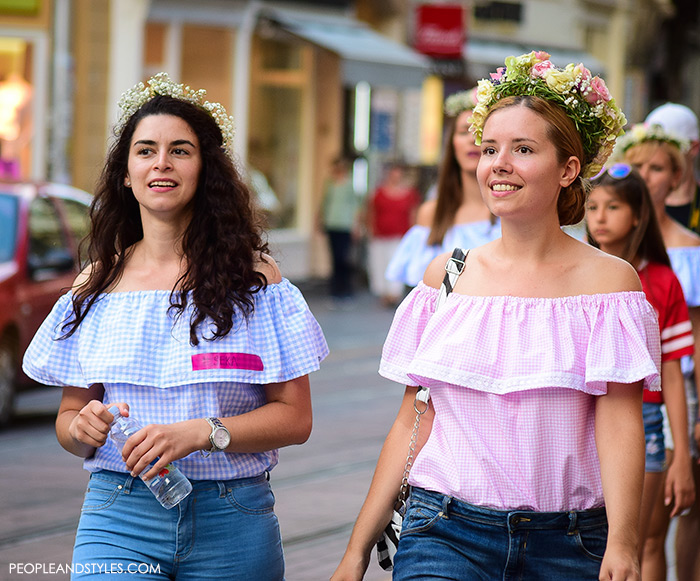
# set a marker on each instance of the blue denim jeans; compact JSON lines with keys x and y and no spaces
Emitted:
{"x":444,"y":538}
{"x":655,"y":451}
{"x":222,"y":530}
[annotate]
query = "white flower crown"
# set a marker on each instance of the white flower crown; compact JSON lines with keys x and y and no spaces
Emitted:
{"x":161,"y":84}
{"x":641,"y":132}
{"x":460,"y":102}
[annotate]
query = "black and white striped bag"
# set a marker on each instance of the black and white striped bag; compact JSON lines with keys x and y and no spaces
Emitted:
{"x":389,"y":541}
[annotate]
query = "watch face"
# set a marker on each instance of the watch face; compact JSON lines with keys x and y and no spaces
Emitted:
{"x":221,"y":438}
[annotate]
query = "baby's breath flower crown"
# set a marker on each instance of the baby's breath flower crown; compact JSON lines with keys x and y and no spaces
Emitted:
{"x":583,"y":97}
{"x":641,"y":132}
{"x":161,"y":84}
{"x":460,"y":102}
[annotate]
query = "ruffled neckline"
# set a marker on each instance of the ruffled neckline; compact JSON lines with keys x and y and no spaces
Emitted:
{"x":505,"y":344}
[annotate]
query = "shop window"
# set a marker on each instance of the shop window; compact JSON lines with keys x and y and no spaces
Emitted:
{"x":273,"y":155}
{"x":276,"y":146}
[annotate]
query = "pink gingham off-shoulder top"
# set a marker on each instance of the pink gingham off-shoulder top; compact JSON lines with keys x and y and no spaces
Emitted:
{"x":513,"y":384}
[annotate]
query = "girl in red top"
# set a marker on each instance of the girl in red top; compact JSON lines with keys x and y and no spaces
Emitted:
{"x":621,"y":221}
{"x":391,"y":211}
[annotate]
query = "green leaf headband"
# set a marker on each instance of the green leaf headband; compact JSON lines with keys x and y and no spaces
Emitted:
{"x":161,"y":84}
{"x":583,"y":97}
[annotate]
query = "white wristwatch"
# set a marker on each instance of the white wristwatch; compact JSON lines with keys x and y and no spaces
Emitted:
{"x":220,"y":437}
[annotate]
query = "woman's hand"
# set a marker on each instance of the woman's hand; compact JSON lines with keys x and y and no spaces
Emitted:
{"x":90,"y":426}
{"x":352,"y":567}
{"x":680,"y":487}
{"x":164,"y":442}
{"x":620,"y":563}
{"x":82,"y":422}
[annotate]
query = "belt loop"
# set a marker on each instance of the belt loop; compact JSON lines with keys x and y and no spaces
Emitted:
{"x":573,"y":522}
{"x":446,"y":500}
{"x":127,"y":484}
{"x":222,"y":488}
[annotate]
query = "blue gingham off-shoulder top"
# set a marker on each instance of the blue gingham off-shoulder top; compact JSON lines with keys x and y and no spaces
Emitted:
{"x":142,"y":355}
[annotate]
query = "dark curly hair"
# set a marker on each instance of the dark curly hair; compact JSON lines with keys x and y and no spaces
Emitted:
{"x":222,"y":243}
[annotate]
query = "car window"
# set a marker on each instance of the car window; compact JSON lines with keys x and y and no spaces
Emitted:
{"x":78,"y":222}
{"x":8,"y":227}
{"x":48,"y":247}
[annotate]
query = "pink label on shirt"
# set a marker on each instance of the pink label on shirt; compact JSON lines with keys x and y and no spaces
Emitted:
{"x":249,"y":361}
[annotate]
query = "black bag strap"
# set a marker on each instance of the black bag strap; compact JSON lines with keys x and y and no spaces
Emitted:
{"x":453,"y":268}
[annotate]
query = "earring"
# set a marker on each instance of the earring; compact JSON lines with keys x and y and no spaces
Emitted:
{"x":127,"y":183}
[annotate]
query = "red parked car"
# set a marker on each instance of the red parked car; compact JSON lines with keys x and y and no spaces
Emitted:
{"x":41,"y":225}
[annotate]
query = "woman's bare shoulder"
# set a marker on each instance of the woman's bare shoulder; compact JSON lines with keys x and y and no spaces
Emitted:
{"x":267,"y":266}
{"x":683,"y":237}
{"x":426,"y":211}
{"x":82,"y":277}
{"x":601,"y":273}
{"x":435,"y":272}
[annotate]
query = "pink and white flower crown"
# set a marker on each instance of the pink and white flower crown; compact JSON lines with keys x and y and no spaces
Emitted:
{"x":583,"y":97}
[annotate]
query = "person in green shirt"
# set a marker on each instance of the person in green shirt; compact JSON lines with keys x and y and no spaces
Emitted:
{"x":340,"y":212}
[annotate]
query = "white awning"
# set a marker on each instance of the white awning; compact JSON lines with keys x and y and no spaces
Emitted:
{"x":366,"y":54}
{"x":485,"y":56}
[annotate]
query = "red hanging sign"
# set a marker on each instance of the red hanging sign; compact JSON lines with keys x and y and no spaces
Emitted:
{"x":440,"y":30}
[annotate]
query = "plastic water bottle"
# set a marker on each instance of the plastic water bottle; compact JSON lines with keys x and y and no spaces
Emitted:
{"x":170,"y":486}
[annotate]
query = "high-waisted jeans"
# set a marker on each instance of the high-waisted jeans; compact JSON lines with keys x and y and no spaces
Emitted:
{"x":222,"y":530}
{"x":444,"y":538}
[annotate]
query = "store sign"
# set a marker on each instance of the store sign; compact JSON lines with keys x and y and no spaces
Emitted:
{"x":440,"y":30}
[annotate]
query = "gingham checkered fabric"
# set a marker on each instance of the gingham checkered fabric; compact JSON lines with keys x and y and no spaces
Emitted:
{"x":142,"y":356}
{"x":414,"y":254}
{"x":685,"y":262}
{"x":513,"y":383}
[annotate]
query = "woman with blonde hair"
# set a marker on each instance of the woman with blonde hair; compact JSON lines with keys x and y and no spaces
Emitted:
{"x":530,"y":459}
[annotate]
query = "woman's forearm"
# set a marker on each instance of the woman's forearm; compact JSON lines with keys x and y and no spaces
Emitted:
{"x":384,"y":488}
{"x":619,"y":432}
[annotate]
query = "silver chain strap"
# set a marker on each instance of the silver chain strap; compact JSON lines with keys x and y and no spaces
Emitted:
{"x":403,"y":491}
{"x":453,"y":268}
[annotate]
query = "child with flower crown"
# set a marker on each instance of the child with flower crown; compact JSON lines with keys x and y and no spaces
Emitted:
{"x":457,"y":216}
{"x":530,"y":459}
{"x":184,"y":322}
{"x":660,"y":158}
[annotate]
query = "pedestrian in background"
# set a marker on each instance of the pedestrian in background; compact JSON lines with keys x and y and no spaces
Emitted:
{"x":391,"y":211}
{"x":183,"y":321}
{"x":659,"y":157}
{"x":683,"y":203}
{"x":621,"y":221}
{"x":340,"y":220}
{"x":534,"y":459}
{"x":457,"y":216}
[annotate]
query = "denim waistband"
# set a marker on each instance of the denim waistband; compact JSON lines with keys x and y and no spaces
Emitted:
{"x":127,"y":481}
{"x":511,"y":519}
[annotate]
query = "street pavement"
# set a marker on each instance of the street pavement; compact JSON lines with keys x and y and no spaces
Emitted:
{"x":319,"y":486}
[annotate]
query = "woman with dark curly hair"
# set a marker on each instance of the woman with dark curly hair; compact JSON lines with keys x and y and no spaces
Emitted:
{"x":182,"y":321}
